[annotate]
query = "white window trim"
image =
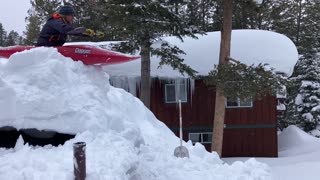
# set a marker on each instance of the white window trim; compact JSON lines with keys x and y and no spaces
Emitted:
{"x":201,"y":137}
{"x":239,"y":104}
{"x":177,"y":100}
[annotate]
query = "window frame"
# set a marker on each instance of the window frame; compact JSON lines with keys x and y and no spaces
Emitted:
{"x":185,"y":100}
{"x":239,"y":103}
{"x":201,"y":137}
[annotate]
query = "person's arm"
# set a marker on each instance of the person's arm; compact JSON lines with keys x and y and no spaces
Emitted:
{"x":81,"y":31}
{"x":77,"y":31}
{"x":62,"y":27}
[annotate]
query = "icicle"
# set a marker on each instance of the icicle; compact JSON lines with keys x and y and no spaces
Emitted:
{"x":128,"y":83}
{"x":119,"y":82}
{"x":133,"y":84}
{"x":191,"y":85}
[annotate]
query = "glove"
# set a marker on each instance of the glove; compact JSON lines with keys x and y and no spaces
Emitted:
{"x":88,"y":32}
{"x":99,"y":34}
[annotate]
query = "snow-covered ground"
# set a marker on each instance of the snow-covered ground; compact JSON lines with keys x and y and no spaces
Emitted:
{"x":42,"y":89}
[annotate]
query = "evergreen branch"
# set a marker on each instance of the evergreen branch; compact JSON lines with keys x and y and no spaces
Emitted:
{"x":239,"y":80}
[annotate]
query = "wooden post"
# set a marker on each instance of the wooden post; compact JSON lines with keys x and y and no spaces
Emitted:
{"x":79,"y":160}
{"x":225,"y":44}
{"x":180,"y":123}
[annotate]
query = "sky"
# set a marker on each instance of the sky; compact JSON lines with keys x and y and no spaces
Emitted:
{"x":40,"y":88}
{"x":13,"y":14}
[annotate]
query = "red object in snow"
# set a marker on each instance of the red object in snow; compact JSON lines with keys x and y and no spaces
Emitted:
{"x":89,"y":55}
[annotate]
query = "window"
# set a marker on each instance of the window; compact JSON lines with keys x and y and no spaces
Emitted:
{"x":174,"y":92}
{"x":203,"y":137}
{"x":233,"y":103}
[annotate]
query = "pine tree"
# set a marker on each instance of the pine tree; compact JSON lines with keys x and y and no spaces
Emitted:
{"x":33,"y":28}
{"x":88,"y":14}
{"x":3,"y":36}
{"x":144,"y":22}
{"x":263,"y":17}
{"x":303,"y":103}
{"x":44,"y":8}
{"x":299,"y":20}
{"x":310,"y":27}
{"x":245,"y":14}
{"x":201,"y":13}
{"x":12,"y":39}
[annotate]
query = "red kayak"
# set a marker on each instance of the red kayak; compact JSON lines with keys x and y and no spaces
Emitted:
{"x":89,"y":55}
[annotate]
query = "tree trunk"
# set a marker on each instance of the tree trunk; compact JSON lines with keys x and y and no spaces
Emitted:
{"x":299,"y":23}
{"x":218,"y":124}
{"x":145,"y":73}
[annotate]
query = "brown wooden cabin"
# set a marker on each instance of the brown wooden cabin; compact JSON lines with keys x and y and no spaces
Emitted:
{"x":250,"y":128}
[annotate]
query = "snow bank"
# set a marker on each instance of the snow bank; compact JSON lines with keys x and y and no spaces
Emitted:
{"x":294,"y":141}
{"x":42,"y":89}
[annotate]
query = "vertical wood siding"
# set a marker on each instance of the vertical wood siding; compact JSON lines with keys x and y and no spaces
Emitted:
{"x":249,"y":132}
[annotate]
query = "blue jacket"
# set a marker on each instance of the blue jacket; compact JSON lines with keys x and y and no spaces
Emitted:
{"x":54,"y":32}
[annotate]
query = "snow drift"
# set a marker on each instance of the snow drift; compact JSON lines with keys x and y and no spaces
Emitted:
{"x":293,"y":142}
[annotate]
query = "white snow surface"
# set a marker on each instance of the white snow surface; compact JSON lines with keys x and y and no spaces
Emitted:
{"x":247,"y":46}
{"x":258,"y":1}
{"x":41,"y":89}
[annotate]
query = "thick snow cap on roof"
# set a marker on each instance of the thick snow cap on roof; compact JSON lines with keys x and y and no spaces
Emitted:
{"x":247,"y":46}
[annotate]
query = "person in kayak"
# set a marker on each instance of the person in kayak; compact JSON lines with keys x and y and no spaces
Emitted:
{"x":57,"y":27}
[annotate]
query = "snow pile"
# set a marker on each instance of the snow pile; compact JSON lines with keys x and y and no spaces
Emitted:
{"x":294,"y":141}
{"x":58,"y":92}
{"x":42,"y":89}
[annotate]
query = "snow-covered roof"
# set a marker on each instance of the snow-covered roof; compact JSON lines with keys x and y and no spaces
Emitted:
{"x":247,"y":46}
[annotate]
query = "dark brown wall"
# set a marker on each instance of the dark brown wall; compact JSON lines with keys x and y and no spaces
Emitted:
{"x":252,"y":131}
{"x":249,"y":132}
{"x":250,"y":142}
{"x":196,"y":112}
